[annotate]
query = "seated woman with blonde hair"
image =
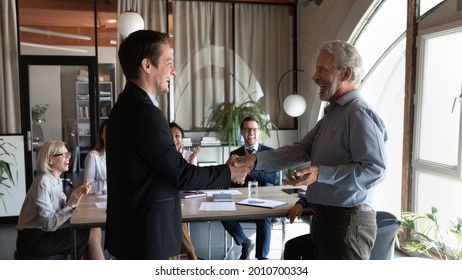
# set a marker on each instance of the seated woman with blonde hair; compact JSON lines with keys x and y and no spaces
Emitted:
{"x":43,"y":224}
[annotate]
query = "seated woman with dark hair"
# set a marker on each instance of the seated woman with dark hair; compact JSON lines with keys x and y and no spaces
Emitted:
{"x":95,"y":164}
{"x":191,"y":156}
{"x":43,"y":224}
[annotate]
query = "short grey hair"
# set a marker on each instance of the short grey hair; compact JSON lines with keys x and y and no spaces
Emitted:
{"x":345,"y":55}
{"x":48,"y":150}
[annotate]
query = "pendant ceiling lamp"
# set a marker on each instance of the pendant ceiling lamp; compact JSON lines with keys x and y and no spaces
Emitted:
{"x":294,"y":105}
{"x":129,"y":22}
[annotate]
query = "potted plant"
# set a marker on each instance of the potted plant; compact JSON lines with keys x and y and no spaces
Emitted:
{"x":38,"y":113}
{"x":226,"y":118}
{"x":425,"y":236}
{"x":7,"y":161}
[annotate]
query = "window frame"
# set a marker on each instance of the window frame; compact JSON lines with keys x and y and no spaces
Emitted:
{"x":421,"y":165}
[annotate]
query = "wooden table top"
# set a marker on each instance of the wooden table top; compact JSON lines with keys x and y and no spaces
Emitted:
{"x":88,"y":215}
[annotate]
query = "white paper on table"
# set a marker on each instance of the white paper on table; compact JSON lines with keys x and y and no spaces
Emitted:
{"x":101,"y":196}
{"x":217,"y":206}
{"x":100,"y":204}
{"x":232,"y":192}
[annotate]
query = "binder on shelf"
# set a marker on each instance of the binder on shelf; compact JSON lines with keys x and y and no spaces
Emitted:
{"x":83,"y":112}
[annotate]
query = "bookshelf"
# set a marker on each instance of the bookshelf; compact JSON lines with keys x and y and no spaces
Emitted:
{"x":105,"y":102}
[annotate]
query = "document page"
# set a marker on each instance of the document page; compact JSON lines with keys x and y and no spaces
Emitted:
{"x":217,"y":206}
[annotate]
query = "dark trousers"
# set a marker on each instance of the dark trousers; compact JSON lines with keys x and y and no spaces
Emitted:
{"x":39,"y":243}
{"x":343,"y":235}
{"x":262,"y":241}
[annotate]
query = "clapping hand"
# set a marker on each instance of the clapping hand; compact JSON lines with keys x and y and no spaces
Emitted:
{"x":193,"y":155}
{"x":77,"y":195}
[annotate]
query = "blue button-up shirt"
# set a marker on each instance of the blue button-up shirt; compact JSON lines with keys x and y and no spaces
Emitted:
{"x":348,"y":145}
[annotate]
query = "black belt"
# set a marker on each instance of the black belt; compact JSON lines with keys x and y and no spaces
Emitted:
{"x":318,"y":208}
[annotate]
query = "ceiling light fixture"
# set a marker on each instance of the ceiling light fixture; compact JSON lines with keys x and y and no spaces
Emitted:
{"x":294,"y":105}
{"x":53,"y":47}
{"x":129,"y":22}
{"x":53,"y":33}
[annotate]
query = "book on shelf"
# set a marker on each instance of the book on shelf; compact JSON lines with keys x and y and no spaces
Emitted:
{"x":191,"y":194}
{"x":83,"y":96}
{"x":257,"y":202}
{"x":209,"y":141}
{"x":222,"y":197}
{"x":187,"y":142}
{"x":105,"y":93}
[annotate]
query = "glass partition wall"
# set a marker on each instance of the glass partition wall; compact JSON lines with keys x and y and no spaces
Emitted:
{"x":67,"y":71}
{"x":224,"y":52}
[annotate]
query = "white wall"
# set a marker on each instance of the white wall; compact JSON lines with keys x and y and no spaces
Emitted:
{"x":45,"y":88}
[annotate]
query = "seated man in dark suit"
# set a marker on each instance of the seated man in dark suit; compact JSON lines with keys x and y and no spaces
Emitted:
{"x":250,"y":130}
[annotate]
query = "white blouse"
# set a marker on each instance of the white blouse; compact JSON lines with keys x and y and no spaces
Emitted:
{"x":95,"y":172}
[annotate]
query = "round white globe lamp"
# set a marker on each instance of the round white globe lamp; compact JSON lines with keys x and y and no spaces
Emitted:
{"x":129,"y":22}
{"x":294,"y":105}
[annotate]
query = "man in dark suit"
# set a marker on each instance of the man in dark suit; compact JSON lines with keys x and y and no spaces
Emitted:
{"x":250,"y":131}
{"x":145,"y":172}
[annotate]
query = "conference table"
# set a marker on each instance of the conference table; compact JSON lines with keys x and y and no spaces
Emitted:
{"x":89,"y":215}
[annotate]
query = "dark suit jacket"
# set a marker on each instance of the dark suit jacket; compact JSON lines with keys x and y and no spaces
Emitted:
{"x":145,"y":173}
{"x":263,"y":178}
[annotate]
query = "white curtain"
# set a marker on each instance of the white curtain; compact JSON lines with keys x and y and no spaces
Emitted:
{"x":203,"y":59}
{"x":154,"y":14}
{"x":210,"y":72}
{"x":10,"y":112}
{"x":264,"y":53}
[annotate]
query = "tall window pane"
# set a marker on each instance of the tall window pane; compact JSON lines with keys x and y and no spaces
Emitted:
{"x":441,"y":85}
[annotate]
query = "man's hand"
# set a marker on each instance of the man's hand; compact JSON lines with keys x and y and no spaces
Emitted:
{"x":245,"y":161}
{"x":304,"y":177}
{"x":295,"y":212}
{"x":238,"y":173}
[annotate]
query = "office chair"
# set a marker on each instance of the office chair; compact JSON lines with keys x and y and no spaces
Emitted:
{"x":387,"y":226}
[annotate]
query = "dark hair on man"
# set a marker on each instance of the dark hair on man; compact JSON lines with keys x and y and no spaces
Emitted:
{"x":174,"y":124}
{"x":100,"y":145}
{"x":249,"y":118}
{"x":137,"y":46}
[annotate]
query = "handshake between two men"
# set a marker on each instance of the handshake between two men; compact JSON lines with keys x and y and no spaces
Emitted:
{"x":242,"y":165}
